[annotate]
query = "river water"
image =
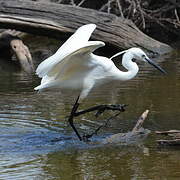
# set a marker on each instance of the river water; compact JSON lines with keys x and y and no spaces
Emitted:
{"x":36,"y":141}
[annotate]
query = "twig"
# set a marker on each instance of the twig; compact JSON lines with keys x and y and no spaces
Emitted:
{"x":176,"y":14}
{"x":120,"y":8}
{"x":109,"y":6}
{"x":103,"y":7}
{"x":158,"y":12}
{"x":81,"y":2}
{"x":142,"y":15}
{"x":72,"y":3}
{"x":60,"y":1}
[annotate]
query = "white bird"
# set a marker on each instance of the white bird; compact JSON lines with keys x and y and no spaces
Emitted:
{"x":74,"y":66}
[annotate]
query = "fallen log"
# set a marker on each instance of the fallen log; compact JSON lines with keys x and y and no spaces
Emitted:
{"x":169,"y":142}
{"x":173,"y":133}
{"x":173,"y":138}
{"x":11,"y":44}
{"x":135,"y":136}
{"x":55,"y":20}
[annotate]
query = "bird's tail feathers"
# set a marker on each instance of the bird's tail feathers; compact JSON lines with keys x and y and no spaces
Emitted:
{"x":119,"y":53}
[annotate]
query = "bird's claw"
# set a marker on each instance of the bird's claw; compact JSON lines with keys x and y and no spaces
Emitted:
{"x":113,"y":107}
{"x":86,"y":137}
{"x":100,"y":110}
{"x":118,"y":107}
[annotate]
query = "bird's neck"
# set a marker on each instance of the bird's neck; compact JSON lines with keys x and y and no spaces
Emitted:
{"x":131,"y":66}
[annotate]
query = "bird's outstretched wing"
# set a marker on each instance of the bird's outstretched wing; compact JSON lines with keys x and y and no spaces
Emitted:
{"x":75,"y":63}
{"x":76,"y":41}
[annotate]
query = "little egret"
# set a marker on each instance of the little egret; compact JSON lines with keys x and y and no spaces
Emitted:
{"x":74,"y":66}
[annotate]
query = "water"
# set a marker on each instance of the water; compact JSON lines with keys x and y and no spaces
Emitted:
{"x":36,"y":141}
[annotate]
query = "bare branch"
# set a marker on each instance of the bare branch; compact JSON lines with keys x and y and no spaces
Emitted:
{"x":72,"y":3}
{"x":140,"y":121}
{"x":177,"y":17}
{"x":120,"y":8}
{"x":81,"y":2}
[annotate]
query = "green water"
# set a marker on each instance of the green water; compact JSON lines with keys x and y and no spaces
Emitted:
{"x":36,"y":141}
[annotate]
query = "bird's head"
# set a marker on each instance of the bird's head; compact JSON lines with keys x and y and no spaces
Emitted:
{"x":139,"y":54}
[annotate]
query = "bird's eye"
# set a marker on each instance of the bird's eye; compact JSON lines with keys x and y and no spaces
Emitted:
{"x":133,"y":60}
{"x":143,"y":56}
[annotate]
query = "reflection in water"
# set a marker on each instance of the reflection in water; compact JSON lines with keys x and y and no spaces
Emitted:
{"x":37,"y":143}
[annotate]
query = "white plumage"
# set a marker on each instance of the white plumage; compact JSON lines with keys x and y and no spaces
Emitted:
{"x":74,"y":66}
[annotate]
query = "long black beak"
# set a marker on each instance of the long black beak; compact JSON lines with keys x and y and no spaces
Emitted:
{"x":156,"y":66}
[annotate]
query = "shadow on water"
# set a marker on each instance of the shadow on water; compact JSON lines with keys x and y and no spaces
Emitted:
{"x":37,"y":143}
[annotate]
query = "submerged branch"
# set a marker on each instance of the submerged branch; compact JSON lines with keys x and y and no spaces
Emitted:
{"x":136,"y":135}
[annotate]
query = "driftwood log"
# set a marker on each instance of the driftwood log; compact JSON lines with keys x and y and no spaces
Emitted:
{"x":56,"y":20}
{"x":10,"y":45}
{"x":173,"y":138}
{"x":135,"y":136}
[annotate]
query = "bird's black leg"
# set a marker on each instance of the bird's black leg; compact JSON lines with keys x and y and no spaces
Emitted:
{"x":71,"y":117}
{"x":101,"y":108}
